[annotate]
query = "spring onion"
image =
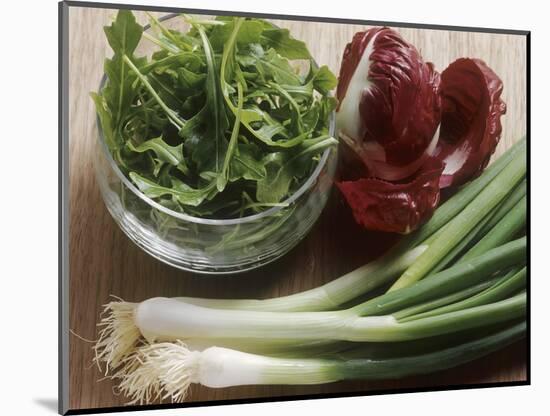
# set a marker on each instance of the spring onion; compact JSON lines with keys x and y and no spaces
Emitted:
{"x":503,"y":287}
{"x":166,"y":370}
{"x":164,"y":319}
{"x":459,"y":226}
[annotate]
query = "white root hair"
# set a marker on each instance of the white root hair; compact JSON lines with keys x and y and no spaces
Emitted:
{"x":119,"y":336}
{"x":159,"y":372}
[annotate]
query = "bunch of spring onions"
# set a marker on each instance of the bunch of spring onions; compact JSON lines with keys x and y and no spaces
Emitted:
{"x":457,"y":291}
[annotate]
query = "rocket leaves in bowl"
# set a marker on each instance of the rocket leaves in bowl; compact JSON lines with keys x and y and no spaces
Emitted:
{"x":218,"y":122}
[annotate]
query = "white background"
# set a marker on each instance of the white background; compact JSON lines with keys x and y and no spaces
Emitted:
{"x":28,"y":209}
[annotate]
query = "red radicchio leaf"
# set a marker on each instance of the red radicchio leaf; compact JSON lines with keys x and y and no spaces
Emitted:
{"x":389,"y":105}
{"x":470,"y":124}
{"x":395,"y":207}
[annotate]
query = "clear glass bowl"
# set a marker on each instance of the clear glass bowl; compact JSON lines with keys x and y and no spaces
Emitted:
{"x":209,"y":245}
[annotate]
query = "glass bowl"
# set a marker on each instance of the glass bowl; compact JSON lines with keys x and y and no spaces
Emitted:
{"x":212,"y":246}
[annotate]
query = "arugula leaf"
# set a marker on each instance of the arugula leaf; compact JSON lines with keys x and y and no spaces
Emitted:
{"x":223,"y":177}
{"x":274,"y":67}
{"x":261,"y":96}
{"x":198,"y":143}
{"x":166,"y":84}
{"x":311,"y":117}
{"x":296,"y":115}
{"x":172,"y":39}
{"x":105,"y":119}
{"x":164,"y":152}
{"x":279,"y":174}
{"x":124,"y":33}
{"x":188,"y":60}
{"x":246,"y":165}
{"x":228,"y":64}
{"x":216,"y":128}
{"x":203,"y":133}
{"x":326,"y":109}
{"x":249,"y":32}
{"x":324,"y":80}
{"x":183,"y":193}
{"x":282,"y":170}
{"x":300,"y":91}
{"x":123,"y":36}
{"x":194,"y":99}
{"x":189,"y":80}
{"x":284,"y":44}
{"x":172,"y":115}
{"x":248,"y":55}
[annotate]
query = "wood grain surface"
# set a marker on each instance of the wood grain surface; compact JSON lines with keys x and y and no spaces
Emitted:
{"x":104,"y":262}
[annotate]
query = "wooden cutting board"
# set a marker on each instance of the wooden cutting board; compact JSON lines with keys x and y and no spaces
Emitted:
{"x":104,"y":262}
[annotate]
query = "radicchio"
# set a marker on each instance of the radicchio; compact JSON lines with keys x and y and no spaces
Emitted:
{"x":470,"y":125}
{"x":389,"y":106}
{"x":394,"y":207}
{"x":413,"y":131}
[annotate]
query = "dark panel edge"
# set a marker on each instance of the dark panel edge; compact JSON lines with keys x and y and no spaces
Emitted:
{"x":294,"y":398}
{"x":528,"y":219}
{"x":293,"y":17}
{"x":63,"y":208}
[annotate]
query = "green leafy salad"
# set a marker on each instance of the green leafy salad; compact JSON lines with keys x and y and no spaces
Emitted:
{"x":218,"y":122}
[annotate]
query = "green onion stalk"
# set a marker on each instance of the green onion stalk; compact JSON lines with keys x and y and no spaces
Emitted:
{"x":167,"y":370}
{"x":492,"y":224}
{"x":168,"y":319}
{"x":459,"y":227}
